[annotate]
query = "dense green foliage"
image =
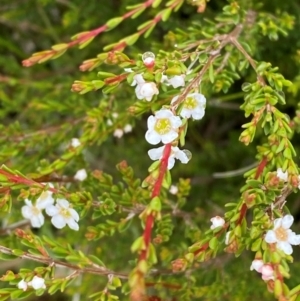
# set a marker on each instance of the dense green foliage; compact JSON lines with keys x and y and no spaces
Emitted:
{"x":230,"y":49}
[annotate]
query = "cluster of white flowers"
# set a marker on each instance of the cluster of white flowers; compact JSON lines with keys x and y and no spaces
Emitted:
{"x":282,"y":235}
{"x":62,"y":214}
{"x":36,"y":283}
{"x":266,"y":270}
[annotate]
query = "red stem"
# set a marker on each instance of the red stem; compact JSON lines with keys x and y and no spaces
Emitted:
{"x":155,"y":193}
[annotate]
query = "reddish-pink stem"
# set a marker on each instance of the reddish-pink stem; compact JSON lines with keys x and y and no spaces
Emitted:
{"x":155,"y":193}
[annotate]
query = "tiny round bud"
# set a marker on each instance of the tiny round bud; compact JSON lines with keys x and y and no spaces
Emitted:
{"x":148,"y":59}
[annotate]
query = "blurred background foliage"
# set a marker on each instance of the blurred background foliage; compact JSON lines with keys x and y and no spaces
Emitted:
{"x":40,"y":115}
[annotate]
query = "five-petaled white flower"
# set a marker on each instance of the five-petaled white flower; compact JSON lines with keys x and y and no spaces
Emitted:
{"x":175,"y":81}
{"x":163,"y":126}
{"x":217,"y":221}
{"x":63,"y":215}
{"x":75,"y":142}
{"x":176,"y":153}
{"x":282,"y":235}
{"x":34,"y":212}
{"x":37,"y":283}
{"x":193,"y":106}
{"x":80,"y":175}
{"x":282,"y":175}
{"x":144,"y":90}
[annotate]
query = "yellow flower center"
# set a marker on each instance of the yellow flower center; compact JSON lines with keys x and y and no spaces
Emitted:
{"x":163,"y":126}
{"x":281,"y":234}
{"x":190,"y":103}
{"x":65,"y":213}
{"x":35,"y":210}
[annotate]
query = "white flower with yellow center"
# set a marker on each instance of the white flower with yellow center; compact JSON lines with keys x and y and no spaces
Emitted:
{"x":62,"y":215}
{"x":282,"y":235}
{"x":34,"y":212}
{"x":176,"y":153}
{"x":193,"y":106}
{"x":163,"y":126}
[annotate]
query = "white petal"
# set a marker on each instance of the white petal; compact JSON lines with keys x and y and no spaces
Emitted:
{"x":285,"y":247}
{"x":63,"y":203}
{"x":197,"y":115}
{"x":139,"y":79}
{"x":185,"y":113}
{"x":72,"y":224}
{"x":181,"y":156}
{"x":152,"y":137}
{"x":167,"y":138}
{"x":177,"y":81}
{"x":37,"y":220}
{"x":171,"y":162}
{"x":277,"y":223}
{"x":156,"y":153}
{"x":52,"y":210}
{"x":200,"y":98}
{"x":176,"y":122}
{"x":270,"y":237}
{"x":293,"y":239}
{"x":151,"y":122}
{"x":44,"y":202}
{"x":74,"y":214}
{"x":138,"y":93}
{"x":26,"y":212}
{"x":58,"y":221}
{"x":164,"y":113}
{"x":75,"y":142}
{"x":287,"y":221}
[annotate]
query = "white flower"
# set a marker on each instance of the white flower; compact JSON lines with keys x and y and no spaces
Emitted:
{"x":127,"y":128}
{"x":37,"y":283}
{"x":63,"y":215}
{"x":257,"y":265}
{"x":173,"y":189}
{"x":282,"y":175}
{"x":267,"y":272}
{"x":282,"y":235}
{"x":176,"y":153}
{"x":23,"y":285}
{"x":115,"y":115}
{"x":193,"y":106}
{"x":217,"y":221}
{"x":118,"y":133}
{"x":175,"y":81}
{"x":80,"y":175}
{"x":34,"y":212}
{"x":75,"y":142}
{"x":162,"y":127}
{"x":144,"y":90}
